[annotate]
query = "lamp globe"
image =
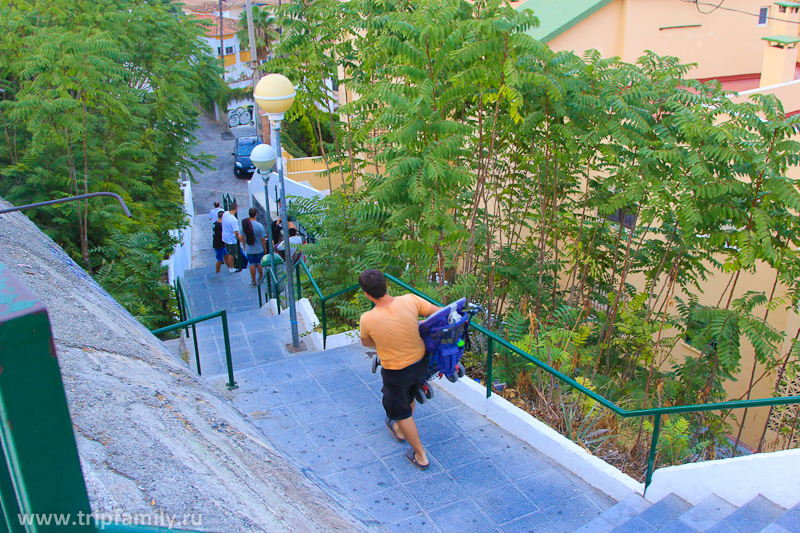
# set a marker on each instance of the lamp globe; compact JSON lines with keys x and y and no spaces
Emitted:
{"x":263,"y":157}
{"x":275,"y":94}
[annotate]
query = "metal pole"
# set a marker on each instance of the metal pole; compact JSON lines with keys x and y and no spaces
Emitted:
{"x":196,"y":351}
{"x":324,"y":324}
{"x":652,"y":457}
{"x":489,"y":356}
{"x":251,"y":37}
{"x":222,"y":53}
{"x":270,"y":243}
{"x":297,"y":273}
{"x":231,"y":382}
{"x":117,"y":197}
{"x":276,"y":128}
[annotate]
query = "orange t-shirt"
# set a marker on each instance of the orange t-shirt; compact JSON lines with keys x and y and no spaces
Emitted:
{"x":395,"y":330}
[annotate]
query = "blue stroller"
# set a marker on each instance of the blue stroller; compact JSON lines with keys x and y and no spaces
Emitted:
{"x":445,"y":336}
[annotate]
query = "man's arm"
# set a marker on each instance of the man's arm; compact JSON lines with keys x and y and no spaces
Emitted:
{"x":368,"y":342}
{"x":432,"y":310}
{"x":425,"y":308}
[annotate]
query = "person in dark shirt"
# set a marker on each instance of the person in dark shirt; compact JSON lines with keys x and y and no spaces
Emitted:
{"x":217,"y":244}
{"x":277,"y":227}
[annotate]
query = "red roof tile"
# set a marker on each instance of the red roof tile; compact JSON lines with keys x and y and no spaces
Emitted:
{"x":229,"y":26}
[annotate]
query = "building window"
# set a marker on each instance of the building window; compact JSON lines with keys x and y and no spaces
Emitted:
{"x":229,"y":49}
{"x":624,"y":217}
{"x":763,"y":14}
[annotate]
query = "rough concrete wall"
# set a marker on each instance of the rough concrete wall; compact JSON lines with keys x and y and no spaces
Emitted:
{"x":152,"y":436}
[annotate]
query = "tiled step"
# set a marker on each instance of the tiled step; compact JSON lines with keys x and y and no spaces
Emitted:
{"x":616,"y":515}
{"x":657,"y":517}
{"x":791,"y":519}
{"x":707,"y":513}
{"x":713,"y":515}
{"x":752,"y":517}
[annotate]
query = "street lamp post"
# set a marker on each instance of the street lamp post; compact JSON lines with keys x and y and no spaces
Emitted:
{"x":263,"y":158}
{"x":275,"y":94}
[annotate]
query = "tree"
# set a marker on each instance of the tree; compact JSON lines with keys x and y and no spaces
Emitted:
{"x":542,"y":184}
{"x":102,"y":96}
{"x":264,"y":24}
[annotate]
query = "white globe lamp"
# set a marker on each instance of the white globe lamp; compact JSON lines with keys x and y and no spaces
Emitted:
{"x":263,"y":157}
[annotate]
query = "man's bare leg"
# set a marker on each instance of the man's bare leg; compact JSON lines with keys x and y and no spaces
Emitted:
{"x":219,"y":264}
{"x":396,"y":428}
{"x":228,"y":260}
{"x":408,"y":428}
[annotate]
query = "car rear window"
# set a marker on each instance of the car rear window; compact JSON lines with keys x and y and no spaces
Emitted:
{"x":246,"y":146}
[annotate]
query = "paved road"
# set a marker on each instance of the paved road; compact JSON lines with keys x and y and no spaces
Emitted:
{"x":210,"y":184}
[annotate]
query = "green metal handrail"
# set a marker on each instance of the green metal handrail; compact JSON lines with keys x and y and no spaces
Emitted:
{"x":227,"y":201}
{"x":272,"y":281}
{"x":191,"y":322}
{"x":186,"y":314}
{"x":492,"y":338}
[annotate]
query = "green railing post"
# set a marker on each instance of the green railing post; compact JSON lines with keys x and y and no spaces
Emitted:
{"x":260,"y":305}
{"x":297,"y":275}
{"x":182,"y":304}
{"x":489,"y":357}
{"x":231,"y":383}
{"x":196,"y":350}
{"x":324,"y":324}
{"x":651,"y":459}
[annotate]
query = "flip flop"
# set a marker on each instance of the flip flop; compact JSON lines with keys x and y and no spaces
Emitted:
{"x":412,"y":458}
{"x":391,"y":429}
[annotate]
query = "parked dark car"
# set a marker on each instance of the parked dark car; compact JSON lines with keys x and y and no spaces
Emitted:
{"x":242,"y":166}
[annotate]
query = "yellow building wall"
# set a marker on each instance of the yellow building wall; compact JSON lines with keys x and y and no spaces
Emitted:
{"x":244,"y":55}
{"x":723,"y":43}
{"x":603,"y":31}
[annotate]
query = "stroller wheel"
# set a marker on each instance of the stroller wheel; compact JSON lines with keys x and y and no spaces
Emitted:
{"x":376,"y":361}
{"x":452,"y":378}
{"x":460,"y":370}
{"x":420,"y":396}
{"x":426,"y":389}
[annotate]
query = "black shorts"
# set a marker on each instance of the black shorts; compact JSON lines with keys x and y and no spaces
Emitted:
{"x":400,"y":387}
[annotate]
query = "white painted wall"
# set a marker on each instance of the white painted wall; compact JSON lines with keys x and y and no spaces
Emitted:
{"x":181,"y":259}
{"x":776,"y":476}
{"x":255,"y":190}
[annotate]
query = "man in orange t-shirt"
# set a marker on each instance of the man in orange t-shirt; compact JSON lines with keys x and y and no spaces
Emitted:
{"x":392,"y":326}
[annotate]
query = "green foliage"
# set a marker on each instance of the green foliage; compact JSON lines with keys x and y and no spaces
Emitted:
{"x":102,"y":96}
{"x":264,"y":31}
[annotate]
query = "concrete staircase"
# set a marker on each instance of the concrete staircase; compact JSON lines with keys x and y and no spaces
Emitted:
{"x":323,"y":410}
{"x":713,"y":515}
